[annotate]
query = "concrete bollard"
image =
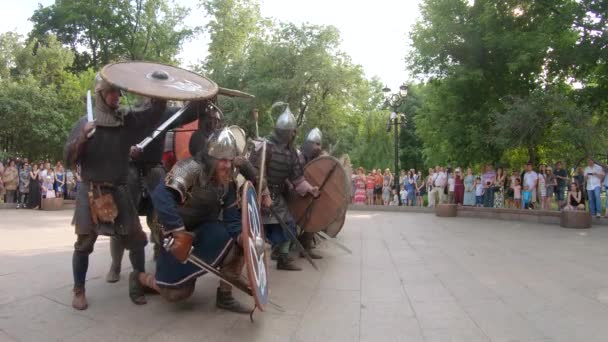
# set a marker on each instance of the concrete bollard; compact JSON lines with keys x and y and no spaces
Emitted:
{"x":575,"y":219}
{"x":52,"y":203}
{"x":446,"y":210}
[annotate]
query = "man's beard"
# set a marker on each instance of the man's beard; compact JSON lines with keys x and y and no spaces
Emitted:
{"x":222,"y":176}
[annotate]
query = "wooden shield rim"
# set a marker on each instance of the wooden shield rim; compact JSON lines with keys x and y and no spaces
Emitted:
{"x":342,"y":221}
{"x":245,"y":234}
{"x":338,"y":215}
{"x":211,"y":94}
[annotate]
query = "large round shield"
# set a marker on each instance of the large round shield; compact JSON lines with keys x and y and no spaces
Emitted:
{"x":252,"y":235}
{"x":159,"y":81}
{"x":313,"y":215}
{"x":335,"y":227}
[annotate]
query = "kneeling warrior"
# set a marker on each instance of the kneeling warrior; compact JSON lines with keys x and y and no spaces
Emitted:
{"x":311,"y":149}
{"x":198,"y":206}
{"x":282,"y":165}
{"x":103,"y":203}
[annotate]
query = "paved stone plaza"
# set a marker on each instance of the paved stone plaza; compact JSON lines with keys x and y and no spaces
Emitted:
{"x":412,"y":277}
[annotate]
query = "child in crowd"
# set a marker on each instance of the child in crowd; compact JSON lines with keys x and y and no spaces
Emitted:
{"x":395,"y":200}
{"x":517,"y":193}
{"x":451,"y":183}
{"x":478,"y":192}
{"x":403,"y":195}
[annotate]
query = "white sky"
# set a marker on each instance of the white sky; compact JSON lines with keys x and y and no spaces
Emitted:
{"x":374,"y":34}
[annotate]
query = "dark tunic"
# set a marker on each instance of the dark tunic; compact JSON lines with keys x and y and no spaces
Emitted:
{"x":104,"y":159}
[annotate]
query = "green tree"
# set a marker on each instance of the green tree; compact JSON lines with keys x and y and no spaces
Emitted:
{"x":474,"y":55}
{"x":113,"y":30}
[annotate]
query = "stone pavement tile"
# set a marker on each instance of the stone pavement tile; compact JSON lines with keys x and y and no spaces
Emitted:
{"x":451,"y":335}
{"x":415,"y":273}
{"x":558,"y":325}
{"x":377,"y":285}
{"x":4,"y":337}
{"x":447,"y":315}
{"x":198,"y":325}
{"x":463,"y":286}
{"x":501,"y":323}
{"x":332,"y":315}
{"x":267,"y":327}
{"x":341,"y":276}
{"x":427,"y":291}
{"x":40,"y":319}
{"x":392,"y":321}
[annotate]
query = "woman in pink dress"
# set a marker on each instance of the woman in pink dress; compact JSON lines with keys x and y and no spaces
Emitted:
{"x":360,"y":186}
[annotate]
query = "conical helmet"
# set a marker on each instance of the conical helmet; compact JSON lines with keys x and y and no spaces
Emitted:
{"x":222,"y":145}
{"x":315,"y":136}
{"x":286,"y":120}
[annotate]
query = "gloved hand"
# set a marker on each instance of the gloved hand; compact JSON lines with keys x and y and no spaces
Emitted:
{"x":182,"y":244}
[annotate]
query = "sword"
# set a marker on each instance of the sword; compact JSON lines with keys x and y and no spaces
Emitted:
{"x":161,"y":129}
{"x":90,"y":112}
{"x":168,"y":242}
{"x":294,"y":238}
{"x":326,"y":237}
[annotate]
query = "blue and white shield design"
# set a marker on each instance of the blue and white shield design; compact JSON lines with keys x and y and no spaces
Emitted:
{"x":254,"y":245}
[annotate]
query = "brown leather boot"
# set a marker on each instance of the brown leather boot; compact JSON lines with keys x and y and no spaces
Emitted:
{"x":306,"y":239}
{"x":79,"y":302}
{"x":224,"y":300}
{"x":285,"y":263}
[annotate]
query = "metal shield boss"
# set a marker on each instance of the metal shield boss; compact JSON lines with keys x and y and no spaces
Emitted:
{"x":252,"y":236}
{"x":316,"y":214}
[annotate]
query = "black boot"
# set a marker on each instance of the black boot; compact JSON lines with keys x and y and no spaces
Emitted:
{"x":136,"y":290}
{"x":284,"y":262}
{"x":224,"y":300}
{"x":116,"y":251}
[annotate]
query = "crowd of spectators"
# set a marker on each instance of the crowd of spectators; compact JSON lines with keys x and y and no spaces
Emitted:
{"x":546,"y":187}
{"x":26,"y":184}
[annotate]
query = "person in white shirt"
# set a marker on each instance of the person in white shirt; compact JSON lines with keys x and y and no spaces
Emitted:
{"x":593,"y":177}
{"x":439,"y":184}
{"x":530,"y":184}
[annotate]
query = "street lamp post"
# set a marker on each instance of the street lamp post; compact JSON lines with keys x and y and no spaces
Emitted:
{"x":394,"y":101}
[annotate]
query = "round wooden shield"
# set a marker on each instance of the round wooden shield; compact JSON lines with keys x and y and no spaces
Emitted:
{"x":252,"y":235}
{"x":313,"y":215}
{"x":159,"y":81}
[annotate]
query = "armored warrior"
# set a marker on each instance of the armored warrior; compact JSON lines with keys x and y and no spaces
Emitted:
{"x":311,"y":149}
{"x":103,"y":203}
{"x":207,"y":126}
{"x":282,"y":166}
{"x":197,"y":205}
{"x":145,"y":173}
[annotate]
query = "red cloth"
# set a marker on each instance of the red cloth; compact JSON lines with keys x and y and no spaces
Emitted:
{"x":369,"y":182}
{"x":458,"y":190}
